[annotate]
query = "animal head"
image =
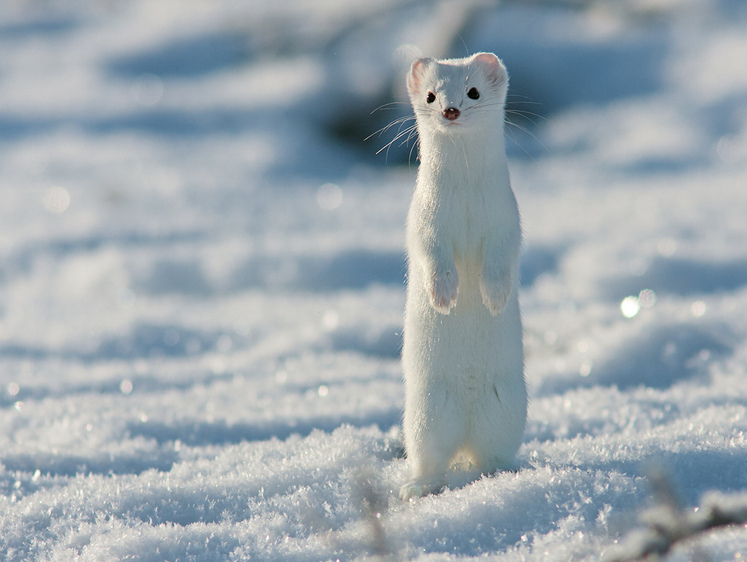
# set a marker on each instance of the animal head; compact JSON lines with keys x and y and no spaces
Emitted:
{"x":454,"y":96}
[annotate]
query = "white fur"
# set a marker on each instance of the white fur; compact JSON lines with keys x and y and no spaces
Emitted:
{"x":463,"y":358}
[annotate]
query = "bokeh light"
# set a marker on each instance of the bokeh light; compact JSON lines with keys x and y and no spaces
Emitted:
{"x":56,"y":200}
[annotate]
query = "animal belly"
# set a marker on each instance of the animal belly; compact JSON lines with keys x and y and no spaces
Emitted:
{"x":468,"y":350}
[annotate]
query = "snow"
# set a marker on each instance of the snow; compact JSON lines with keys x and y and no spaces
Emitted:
{"x":202,"y":277}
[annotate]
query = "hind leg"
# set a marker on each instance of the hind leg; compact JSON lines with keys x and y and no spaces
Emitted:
{"x":428,"y":471}
{"x":432,"y":436}
{"x":495,"y":440}
{"x":493,"y":464}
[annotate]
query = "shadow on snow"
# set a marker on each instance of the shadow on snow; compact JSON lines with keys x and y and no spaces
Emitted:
{"x":681,"y":276}
{"x":657,"y":358}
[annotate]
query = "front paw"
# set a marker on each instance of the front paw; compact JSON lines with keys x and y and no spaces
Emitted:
{"x":495,"y":294}
{"x":443,"y":291}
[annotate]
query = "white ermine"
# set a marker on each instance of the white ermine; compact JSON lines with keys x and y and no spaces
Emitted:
{"x":463,"y":358}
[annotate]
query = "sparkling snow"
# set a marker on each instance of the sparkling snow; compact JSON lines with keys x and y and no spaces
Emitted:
{"x":202,"y":276}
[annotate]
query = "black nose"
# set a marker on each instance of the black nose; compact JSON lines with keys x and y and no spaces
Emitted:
{"x":451,"y":113}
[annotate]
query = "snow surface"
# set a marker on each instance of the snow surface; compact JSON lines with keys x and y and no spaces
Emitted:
{"x":201,"y":283}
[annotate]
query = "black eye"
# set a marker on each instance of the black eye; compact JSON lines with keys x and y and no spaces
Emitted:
{"x":473,"y":94}
{"x":431,"y":97}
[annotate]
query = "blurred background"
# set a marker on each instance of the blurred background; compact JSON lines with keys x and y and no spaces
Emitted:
{"x":282,"y":69}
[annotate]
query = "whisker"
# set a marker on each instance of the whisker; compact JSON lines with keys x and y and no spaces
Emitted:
{"x":526,"y":131}
{"x":527,"y":114}
{"x":402,"y":133}
{"x":484,"y":105}
{"x":414,"y":145}
{"x":385,"y":128}
{"x":510,"y":135}
{"x":526,"y":99}
{"x":466,"y":160}
{"x":426,"y":110}
{"x":390,"y":105}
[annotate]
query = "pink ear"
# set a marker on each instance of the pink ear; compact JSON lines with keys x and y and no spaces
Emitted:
{"x":417,"y":70}
{"x":492,"y":66}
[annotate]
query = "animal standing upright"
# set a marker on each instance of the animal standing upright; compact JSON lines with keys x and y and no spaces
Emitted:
{"x":462,"y":356}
